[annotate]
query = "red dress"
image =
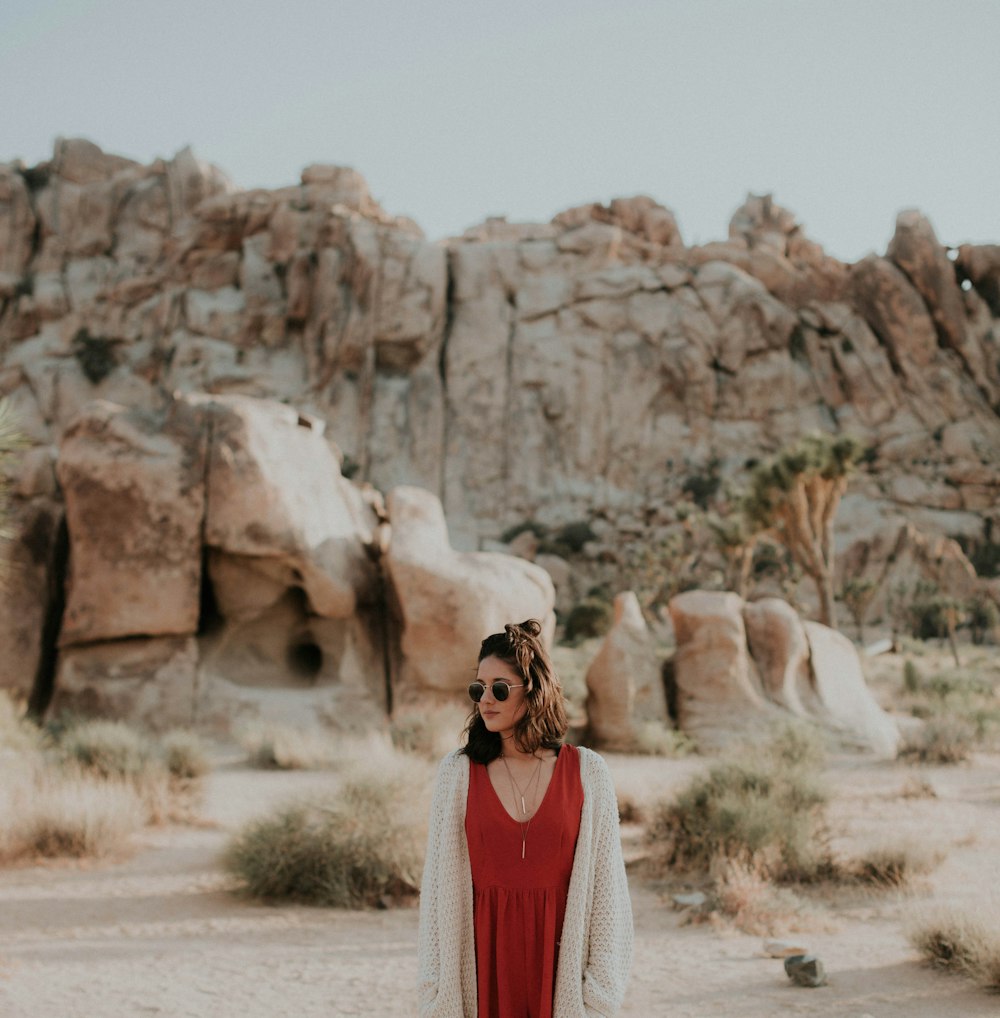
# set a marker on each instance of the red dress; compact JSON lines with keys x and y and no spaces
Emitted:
{"x":519,"y":904}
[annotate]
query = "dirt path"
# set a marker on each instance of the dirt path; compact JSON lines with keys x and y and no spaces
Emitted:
{"x":160,"y":934}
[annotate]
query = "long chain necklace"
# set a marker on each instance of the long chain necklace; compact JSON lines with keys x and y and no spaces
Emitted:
{"x":516,"y":792}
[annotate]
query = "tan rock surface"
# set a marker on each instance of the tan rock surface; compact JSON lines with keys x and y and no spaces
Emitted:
{"x":624,"y":682}
{"x":449,"y":601}
{"x":135,"y":504}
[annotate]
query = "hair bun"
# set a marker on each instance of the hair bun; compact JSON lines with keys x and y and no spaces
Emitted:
{"x":530,"y":627}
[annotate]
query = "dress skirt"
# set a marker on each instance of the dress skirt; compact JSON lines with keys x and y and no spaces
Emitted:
{"x":519,"y":904}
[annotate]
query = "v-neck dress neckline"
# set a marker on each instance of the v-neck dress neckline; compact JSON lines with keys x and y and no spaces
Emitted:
{"x":519,"y":904}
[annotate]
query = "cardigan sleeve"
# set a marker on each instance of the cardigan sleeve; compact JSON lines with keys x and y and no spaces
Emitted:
{"x":611,"y":934}
{"x":428,"y":937}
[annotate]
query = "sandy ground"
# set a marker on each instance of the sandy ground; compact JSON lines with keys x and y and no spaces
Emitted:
{"x":160,"y":933}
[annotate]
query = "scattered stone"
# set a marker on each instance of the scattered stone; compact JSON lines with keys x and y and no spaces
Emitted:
{"x":693,"y":900}
{"x":783,"y":949}
{"x":805,"y":970}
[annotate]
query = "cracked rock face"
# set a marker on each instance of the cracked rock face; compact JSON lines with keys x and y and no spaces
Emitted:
{"x":582,"y":369}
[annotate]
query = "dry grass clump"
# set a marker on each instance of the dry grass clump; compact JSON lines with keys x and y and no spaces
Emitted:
{"x":765,"y":807}
{"x":184,"y":754}
{"x":744,"y":896}
{"x":893,"y":866}
{"x":961,"y":708}
{"x":944,"y":740}
{"x":67,"y":812}
{"x":361,"y":848}
{"x":652,"y":738}
{"x":430,"y":732}
{"x":286,"y":747}
{"x":108,"y":749}
{"x":960,"y":942}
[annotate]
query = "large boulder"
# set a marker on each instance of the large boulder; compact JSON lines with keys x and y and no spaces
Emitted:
{"x":135,"y":506}
{"x":275,"y":493}
{"x":153,"y":682}
{"x":719,"y":695}
{"x":740,"y":667}
{"x":845,"y":703}
{"x":624,"y":684}
{"x":449,"y":601}
{"x":779,"y":646}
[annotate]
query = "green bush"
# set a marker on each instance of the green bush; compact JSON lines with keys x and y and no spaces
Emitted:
{"x":184,"y":754}
{"x":360,"y":849}
{"x":109,"y":749}
{"x":591,"y":617}
{"x":911,"y":677}
{"x":765,"y":807}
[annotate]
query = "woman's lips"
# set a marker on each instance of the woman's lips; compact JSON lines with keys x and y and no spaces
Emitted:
{"x":490,"y":713}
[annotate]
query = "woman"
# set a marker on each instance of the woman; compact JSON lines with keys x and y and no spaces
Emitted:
{"x":524,"y":907}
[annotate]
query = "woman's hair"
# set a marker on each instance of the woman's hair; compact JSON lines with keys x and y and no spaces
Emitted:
{"x":544,"y":724}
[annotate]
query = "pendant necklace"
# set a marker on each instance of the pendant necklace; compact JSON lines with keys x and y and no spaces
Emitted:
{"x":517,"y":793}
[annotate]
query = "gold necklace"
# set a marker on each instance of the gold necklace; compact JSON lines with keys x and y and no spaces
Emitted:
{"x":516,"y":791}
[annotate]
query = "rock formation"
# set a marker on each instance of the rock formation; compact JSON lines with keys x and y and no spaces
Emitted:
{"x":740,"y":668}
{"x":624,"y":684}
{"x":583,"y":369}
{"x":448,"y":601}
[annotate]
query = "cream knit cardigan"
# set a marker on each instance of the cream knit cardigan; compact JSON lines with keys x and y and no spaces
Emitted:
{"x":595,"y":951}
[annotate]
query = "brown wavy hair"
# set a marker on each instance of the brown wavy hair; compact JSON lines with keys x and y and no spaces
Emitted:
{"x":544,"y":724}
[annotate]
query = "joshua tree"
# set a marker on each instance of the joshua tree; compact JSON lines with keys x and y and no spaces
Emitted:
{"x":795,"y":495}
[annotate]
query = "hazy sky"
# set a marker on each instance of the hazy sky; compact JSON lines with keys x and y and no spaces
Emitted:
{"x":455,"y":109}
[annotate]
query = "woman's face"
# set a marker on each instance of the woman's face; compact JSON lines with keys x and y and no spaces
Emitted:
{"x":501,"y":715}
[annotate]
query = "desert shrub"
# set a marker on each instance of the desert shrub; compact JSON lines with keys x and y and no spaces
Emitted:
{"x":942,"y":740}
{"x":538,"y":529}
{"x":428,"y":732}
{"x":653,"y":738}
{"x":983,"y":618}
{"x":108,"y":749}
{"x":960,"y":942}
{"x":68,"y":812}
{"x":743,"y":895}
{"x":765,"y":807}
{"x":591,"y":617}
{"x":184,"y":754}
{"x":359,"y":849}
{"x":286,"y":747}
{"x":893,"y":865}
{"x":911,"y":677}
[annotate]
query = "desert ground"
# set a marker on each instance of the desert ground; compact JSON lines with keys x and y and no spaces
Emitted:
{"x":161,"y":932}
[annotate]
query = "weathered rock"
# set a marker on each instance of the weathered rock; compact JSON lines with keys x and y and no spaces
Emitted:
{"x":30,"y":592}
{"x":135,"y":505}
{"x":779,"y":646}
{"x":719,"y":696}
{"x":805,"y":970}
{"x":449,"y":601}
{"x":846,"y":704}
{"x":806,"y":668}
{"x":624,"y":688}
{"x":275,"y":492}
{"x":152,"y":682}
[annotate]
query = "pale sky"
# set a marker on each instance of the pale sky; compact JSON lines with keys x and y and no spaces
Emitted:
{"x":455,"y":110}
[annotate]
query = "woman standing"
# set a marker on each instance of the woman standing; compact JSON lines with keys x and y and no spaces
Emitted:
{"x":524,"y":907}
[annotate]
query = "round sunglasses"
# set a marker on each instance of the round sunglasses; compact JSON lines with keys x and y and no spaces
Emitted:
{"x":501,"y":690}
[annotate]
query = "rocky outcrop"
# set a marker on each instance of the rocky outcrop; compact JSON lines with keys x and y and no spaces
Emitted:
{"x":739,"y":668}
{"x":593,"y":368}
{"x":448,"y":601}
{"x":624,"y":684}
